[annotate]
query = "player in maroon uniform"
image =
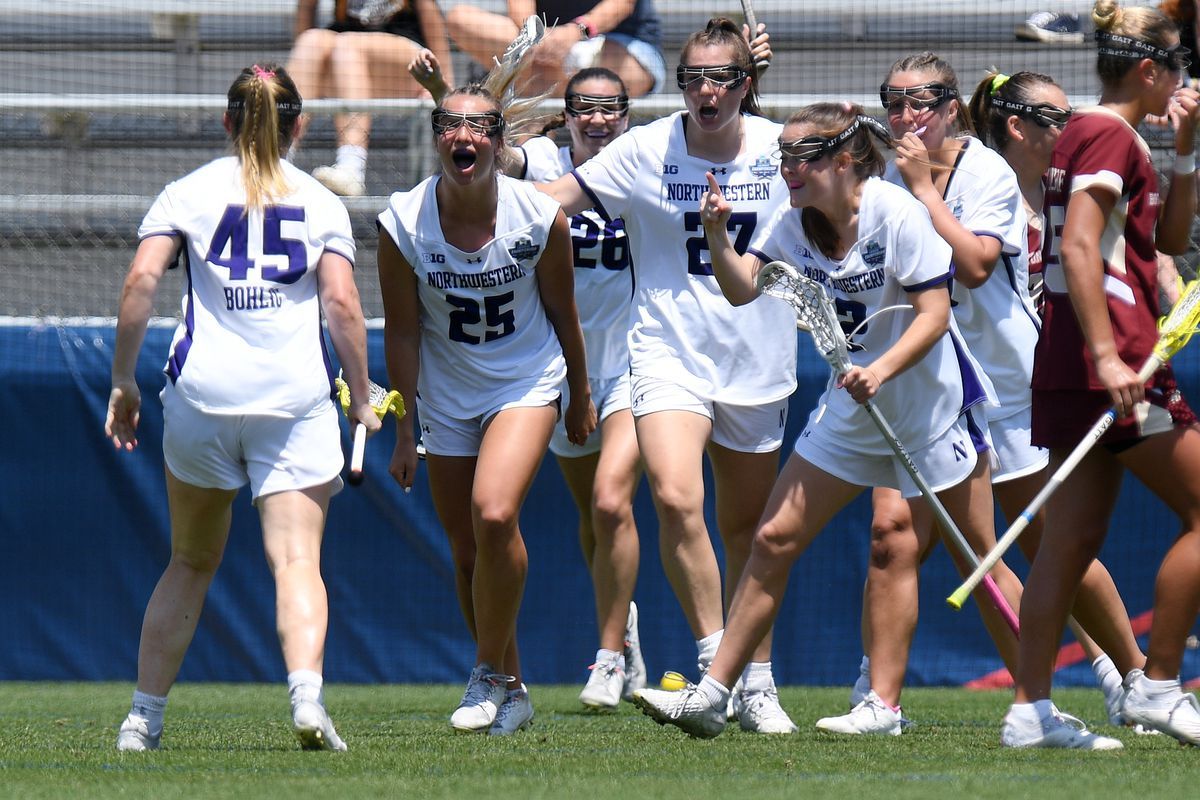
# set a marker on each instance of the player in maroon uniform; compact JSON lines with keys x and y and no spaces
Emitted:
{"x":1104,"y":220}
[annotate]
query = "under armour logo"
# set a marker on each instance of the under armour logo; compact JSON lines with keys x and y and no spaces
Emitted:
{"x":718,"y":170}
{"x":475,"y":260}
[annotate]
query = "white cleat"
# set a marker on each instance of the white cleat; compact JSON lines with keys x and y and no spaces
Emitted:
{"x":134,"y":736}
{"x":1174,"y":712}
{"x":871,"y":715}
{"x":1056,"y":730}
{"x":635,"y":665}
{"x":686,"y":709}
{"x":758,"y":711}
{"x":604,"y":686}
{"x":486,"y":692}
{"x":314,"y":729}
{"x":515,"y":713}
{"x":340,"y":181}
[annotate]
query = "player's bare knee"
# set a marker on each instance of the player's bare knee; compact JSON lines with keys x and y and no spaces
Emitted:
{"x":773,"y":542}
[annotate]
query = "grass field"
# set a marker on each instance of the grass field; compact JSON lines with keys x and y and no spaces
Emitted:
{"x":235,"y":740}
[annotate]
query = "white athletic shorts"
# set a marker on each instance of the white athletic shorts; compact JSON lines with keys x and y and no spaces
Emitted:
{"x":945,"y":462}
{"x":745,"y":429}
{"x":274,"y":454}
{"x":1016,"y":455}
{"x":444,"y":435}
{"x":609,"y":395}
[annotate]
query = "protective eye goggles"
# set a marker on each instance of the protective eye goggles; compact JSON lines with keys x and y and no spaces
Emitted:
{"x":1176,"y":58}
{"x":814,"y":148}
{"x":487,"y":123}
{"x":729,"y":76}
{"x":609,"y":106}
{"x":919,"y":98}
{"x":1043,"y":114}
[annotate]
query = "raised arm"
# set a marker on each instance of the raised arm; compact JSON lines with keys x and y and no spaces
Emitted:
{"x":975,"y":256}
{"x":437,"y":39}
{"x":556,"y":286}
{"x":343,"y":312}
{"x":401,"y":347}
{"x":154,"y":255}
{"x":1179,"y":207}
{"x":735,"y":274}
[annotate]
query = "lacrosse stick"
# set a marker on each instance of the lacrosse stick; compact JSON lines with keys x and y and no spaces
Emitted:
{"x":752,"y":24}
{"x":815,"y":313}
{"x":1174,"y":332}
{"x":382,"y":402}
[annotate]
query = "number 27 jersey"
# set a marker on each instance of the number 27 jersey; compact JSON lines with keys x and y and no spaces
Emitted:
{"x":684,"y":330}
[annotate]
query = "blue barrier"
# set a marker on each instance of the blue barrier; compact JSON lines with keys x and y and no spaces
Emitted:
{"x":84,"y":537}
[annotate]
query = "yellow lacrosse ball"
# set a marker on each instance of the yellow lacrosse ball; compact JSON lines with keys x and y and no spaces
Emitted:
{"x":673,"y":681}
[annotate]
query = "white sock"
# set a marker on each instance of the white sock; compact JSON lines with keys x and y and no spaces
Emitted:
{"x":864,"y":667}
{"x":756,"y":677}
{"x":150,"y":708}
{"x":706,"y":648}
{"x":305,"y":684}
{"x":353,"y":158}
{"x":1031,"y":712}
{"x":712,"y":691}
{"x":609,"y":656}
{"x":1153,"y":688}
{"x":1106,"y":674}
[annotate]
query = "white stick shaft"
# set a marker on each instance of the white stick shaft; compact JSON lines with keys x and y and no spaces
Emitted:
{"x":752,"y":24}
{"x":943,"y":516}
{"x":1019,"y":525}
{"x":356,"y":454}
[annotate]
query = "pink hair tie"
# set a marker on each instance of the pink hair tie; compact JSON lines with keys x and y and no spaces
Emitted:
{"x":259,"y":72}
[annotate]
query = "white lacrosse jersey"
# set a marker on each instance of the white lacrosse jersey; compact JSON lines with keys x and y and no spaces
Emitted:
{"x":482,"y":320}
{"x":603,"y":280}
{"x":250,"y":340}
{"x":898,"y":251}
{"x":997,"y":320}
{"x":684,"y":330}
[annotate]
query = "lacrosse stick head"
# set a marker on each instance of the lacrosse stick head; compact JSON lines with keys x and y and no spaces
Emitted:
{"x":1180,"y":324}
{"x":382,"y":401}
{"x":532,"y":31}
{"x":815,"y":311}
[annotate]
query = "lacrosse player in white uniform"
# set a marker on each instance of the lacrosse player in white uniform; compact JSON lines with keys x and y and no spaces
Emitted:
{"x":267,"y":250}
{"x":705,"y":376}
{"x":602,"y":474}
{"x":874,"y":248}
{"x":481,"y":326}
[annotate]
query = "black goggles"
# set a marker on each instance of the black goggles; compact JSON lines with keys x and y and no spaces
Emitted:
{"x":1176,"y":58}
{"x":919,"y":98}
{"x":584,"y":105}
{"x":1043,"y":114}
{"x":729,"y":76}
{"x":813,"y":148}
{"x":487,"y":123}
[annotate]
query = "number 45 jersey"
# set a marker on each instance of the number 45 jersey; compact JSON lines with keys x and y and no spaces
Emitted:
{"x":684,"y":330}
{"x":482,"y":320}
{"x":250,"y":338}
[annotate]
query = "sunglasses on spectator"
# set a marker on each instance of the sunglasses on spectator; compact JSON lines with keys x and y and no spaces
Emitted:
{"x":918,"y":98}
{"x":1044,"y":114}
{"x":487,"y":123}
{"x":729,"y":76}
{"x":609,"y":106}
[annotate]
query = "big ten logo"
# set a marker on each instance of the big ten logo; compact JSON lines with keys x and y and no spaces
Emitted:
{"x":667,"y":169}
{"x":433,"y":258}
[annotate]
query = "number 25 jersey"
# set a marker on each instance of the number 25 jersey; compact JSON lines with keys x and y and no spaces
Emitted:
{"x":684,"y":330}
{"x":482,"y":320}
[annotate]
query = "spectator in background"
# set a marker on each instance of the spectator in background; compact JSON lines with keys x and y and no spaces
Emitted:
{"x":247,"y":396}
{"x":620,"y":35}
{"x":364,"y":53}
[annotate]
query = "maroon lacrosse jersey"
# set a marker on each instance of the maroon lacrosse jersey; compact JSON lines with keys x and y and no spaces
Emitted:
{"x":1098,"y":148}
